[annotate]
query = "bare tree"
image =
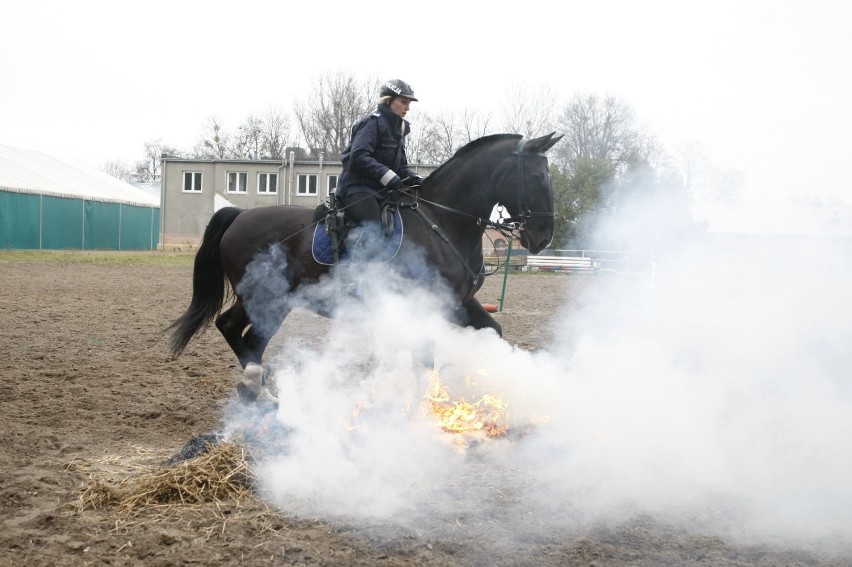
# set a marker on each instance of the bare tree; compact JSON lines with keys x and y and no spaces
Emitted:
{"x":436,"y":137}
{"x":473,"y":125}
{"x":214,"y":142}
{"x":118,"y":169}
{"x":432,"y":138}
{"x":336,"y":102}
{"x":445,"y":134}
{"x":528,"y":110}
{"x":701,"y":178}
{"x":690,"y":164}
{"x":604,"y":129}
{"x":248,"y":138}
{"x":277,"y":133}
{"x":419,"y":143}
{"x":602,"y":159}
{"x":143,"y":171}
{"x":148,"y":169}
{"x":264,"y":136}
{"x":153,"y":153}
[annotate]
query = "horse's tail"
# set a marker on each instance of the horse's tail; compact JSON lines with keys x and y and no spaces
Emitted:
{"x":208,"y":283}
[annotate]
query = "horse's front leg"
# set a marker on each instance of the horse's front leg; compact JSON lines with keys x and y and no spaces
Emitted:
{"x":471,"y":313}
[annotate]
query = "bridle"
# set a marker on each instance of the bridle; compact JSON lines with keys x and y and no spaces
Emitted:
{"x":510,"y":225}
{"x":507,"y":224}
{"x":524,"y":213}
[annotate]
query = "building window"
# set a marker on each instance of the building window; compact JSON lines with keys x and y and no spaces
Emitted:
{"x":307,"y":184}
{"x":237,"y":181}
{"x":267,"y":183}
{"x":332,"y":183}
{"x":192,"y":181}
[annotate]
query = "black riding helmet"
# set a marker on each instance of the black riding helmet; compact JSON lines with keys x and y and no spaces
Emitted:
{"x":396,"y":87}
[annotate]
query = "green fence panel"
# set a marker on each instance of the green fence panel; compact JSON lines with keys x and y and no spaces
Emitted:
{"x":102,"y":225}
{"x":19,"y":220}
{"x":155,"y":226}
{"x":62,"y":223}
{"x":31,"y":221}
{"x":138,"y":231}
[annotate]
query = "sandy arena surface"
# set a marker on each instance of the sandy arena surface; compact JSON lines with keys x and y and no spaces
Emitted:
{"x":90,"y":391}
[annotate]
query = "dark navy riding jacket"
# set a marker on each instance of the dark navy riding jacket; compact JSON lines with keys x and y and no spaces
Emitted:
{"x":376,"y":152}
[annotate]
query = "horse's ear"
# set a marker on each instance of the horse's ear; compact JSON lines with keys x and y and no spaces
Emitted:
{"x":542,"y":144}
{"x":552,"y":141}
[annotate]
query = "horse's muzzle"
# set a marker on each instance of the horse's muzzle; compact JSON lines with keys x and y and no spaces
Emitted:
{"x":534,"y":241}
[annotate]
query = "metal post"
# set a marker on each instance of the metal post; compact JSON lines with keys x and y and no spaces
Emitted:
{"x":319,"y":179}
{"x":292,"y":179}
{"x":506,"y":272}
{"x":161,"y":230}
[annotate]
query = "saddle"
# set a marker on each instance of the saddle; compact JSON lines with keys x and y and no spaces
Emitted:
{"x":333,"y":226}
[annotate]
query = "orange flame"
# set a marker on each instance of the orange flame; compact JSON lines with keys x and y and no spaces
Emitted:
{"x":488,"y":414}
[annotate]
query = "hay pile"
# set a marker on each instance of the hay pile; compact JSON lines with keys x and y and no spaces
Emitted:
{"x":222,"y":473}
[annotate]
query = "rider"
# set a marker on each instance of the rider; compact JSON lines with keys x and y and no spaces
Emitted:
{"x":374,"y":162}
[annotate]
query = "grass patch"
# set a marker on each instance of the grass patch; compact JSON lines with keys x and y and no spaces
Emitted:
{"x":104,"y":257}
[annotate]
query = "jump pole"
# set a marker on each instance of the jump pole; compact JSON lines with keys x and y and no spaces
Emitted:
{"x":506,"y":272}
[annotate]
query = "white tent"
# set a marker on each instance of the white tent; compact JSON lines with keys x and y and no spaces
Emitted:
{"x":28,"y":171}
{"x":52,"y":203}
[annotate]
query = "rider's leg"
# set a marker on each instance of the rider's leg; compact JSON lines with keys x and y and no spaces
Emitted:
{"x":364,"y":242}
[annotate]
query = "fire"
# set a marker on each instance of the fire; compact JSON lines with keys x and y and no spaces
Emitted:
{"x":349,"y":424}
{"x":488,"y":414}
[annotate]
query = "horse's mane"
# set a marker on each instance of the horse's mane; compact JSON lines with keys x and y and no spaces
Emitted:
{"x":471,"y":146}
{"x":474,"y":145}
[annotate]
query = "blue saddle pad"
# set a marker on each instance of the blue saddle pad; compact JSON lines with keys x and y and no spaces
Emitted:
{"x":321,"y":245}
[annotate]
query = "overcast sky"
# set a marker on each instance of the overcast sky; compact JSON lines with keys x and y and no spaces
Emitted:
{"x":764,"y":87}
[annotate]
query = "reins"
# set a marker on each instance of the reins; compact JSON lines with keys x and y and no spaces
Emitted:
{"x":331,"y":211}
{"x":507,"y":229}
{"x":443,"y":236}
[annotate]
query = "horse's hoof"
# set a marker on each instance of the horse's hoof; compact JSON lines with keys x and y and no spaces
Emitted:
{"x":266,"y":397}
{"x":252,"y":389}
{"x":246,"y":395}
{"x":249,"y":397}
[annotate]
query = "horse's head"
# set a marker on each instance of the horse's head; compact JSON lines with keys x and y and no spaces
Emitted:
{"x":500,"y":169}
{"x":531,"y":205}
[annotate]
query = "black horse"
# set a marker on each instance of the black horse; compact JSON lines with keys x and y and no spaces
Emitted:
{"x":446,"y":228}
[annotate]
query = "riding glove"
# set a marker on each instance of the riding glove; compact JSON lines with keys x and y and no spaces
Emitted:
{"x":395,"y":183}
{"x":413,"y":180}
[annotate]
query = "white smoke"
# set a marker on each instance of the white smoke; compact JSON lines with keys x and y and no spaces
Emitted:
{"x":712,"y":392}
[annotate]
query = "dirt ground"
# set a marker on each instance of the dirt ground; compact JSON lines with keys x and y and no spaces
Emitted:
{"x":89,"y":389}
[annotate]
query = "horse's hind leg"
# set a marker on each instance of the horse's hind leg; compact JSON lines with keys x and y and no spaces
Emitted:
{"x":257,"y":340}
{"x":249,"y":350}
{"x":231,"y":323}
